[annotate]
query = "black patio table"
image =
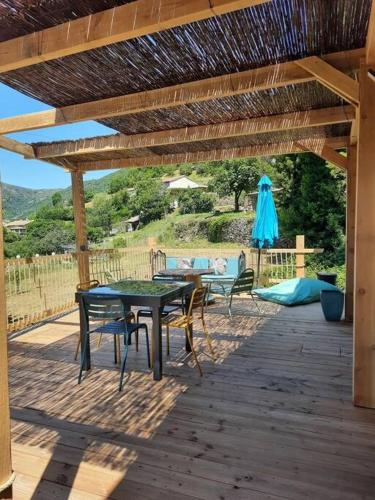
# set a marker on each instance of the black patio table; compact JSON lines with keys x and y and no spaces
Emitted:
{"x":139,"y":293}
{"x":187,"y":274}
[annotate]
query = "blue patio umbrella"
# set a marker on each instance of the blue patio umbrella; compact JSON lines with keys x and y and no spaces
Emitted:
{"x":266,"y":229}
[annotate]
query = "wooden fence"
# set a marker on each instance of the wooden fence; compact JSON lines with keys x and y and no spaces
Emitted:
{"x":40,"y":287}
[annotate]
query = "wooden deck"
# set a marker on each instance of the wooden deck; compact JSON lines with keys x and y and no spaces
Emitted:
{"x":272,"y":419}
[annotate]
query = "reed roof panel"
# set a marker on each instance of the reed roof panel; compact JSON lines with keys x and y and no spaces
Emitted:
{"x":257,"y":139}
{"x":302,"y":97}
{"x":20,"y":17}
{"x":269,"y":33}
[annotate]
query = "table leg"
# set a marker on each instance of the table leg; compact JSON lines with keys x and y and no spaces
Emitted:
{"x":83,"y":327}
{"x":186,"y":307}
{"x":157,"y":350}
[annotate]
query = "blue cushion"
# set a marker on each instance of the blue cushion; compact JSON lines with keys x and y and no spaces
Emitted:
{"x":232,"y":266}
{"x":201,"y":263}
{"x":171,"y":263}
{"x":218,"y":277}
{"x":295,"y":292}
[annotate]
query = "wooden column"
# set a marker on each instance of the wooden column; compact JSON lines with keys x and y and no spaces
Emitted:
{"x":80,"y":225}
{"x":5,"y":456}
{"x":350,"y":230}
{"x":300,"y":257}
{"x":364,"y":276}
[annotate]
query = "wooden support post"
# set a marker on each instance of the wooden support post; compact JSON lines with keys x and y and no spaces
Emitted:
{"x":300,"y":256}
{"x":364,"y":256}
{"x":350,"y":230}
{"x":80,"y":224}
{"x":5,"y":455}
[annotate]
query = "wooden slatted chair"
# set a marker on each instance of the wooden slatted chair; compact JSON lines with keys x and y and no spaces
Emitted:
{"x":109,"y":310}
{"x":185,"y":321}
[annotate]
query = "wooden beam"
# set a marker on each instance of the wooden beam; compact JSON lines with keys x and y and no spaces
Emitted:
{"x":332,"y":78}
{"x":17,"y":147}
{"x":254,"y":80}
{"x":288,"y":121}
{"x":201,"y":156}
{"x":370,"y":40}
{"x":80,"y":226}
{"x":6,"y":478}
{"x":324,"y":150}
{"x":350,"y":230}
{"x":125,"y":22}
{"x":354,"y":130}
{"x":364,"y":283}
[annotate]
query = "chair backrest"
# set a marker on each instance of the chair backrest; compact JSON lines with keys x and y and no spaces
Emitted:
{"x":103,"y":308}
{"x":87,"y":285}
{"x":245,"y":282}
{"x":198,"y":299}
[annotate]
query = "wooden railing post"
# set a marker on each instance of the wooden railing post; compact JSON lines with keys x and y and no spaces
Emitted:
{"x":6,"y":475}
{"x":80,"y":226}
{"x":300,"y":256}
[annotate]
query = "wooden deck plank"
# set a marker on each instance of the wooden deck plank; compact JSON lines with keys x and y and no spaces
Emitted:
{"x":272,"y":419}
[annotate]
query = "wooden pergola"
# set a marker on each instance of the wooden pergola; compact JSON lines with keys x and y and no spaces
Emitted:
{"x":195,"y":80}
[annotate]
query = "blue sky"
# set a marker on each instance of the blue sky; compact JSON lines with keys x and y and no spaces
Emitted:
{"x":31,"y":173}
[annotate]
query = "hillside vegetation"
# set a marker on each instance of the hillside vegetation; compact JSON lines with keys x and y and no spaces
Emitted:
{"x":311,"y":202}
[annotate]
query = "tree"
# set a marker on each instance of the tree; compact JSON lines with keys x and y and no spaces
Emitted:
{"x":151,"y":201}
{"x":120,"y":203}
{"x":55,"y":212}
{"x":89,"y":195}
{"x":100,"y":215}
{"x":186,"y":169}
{"x":118,"y":182}
{"x":312,"y":203}
{"x":57,"y":199}
{"x":234,"y":177}
{"x":194,"y":201}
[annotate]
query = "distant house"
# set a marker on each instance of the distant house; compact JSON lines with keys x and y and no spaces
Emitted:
{"x":132,"y":223}
{"x":181,"y":182}
{"x":18,"y":226}
{"x":177,"y":184}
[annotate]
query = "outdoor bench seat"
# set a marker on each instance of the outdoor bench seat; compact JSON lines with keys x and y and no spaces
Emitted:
{"x":226,"y":269}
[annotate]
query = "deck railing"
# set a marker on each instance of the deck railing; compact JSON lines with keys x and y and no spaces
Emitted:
{"x":40,"y":287}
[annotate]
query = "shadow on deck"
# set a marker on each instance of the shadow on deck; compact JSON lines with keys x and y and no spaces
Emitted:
{"x":272,"y":418}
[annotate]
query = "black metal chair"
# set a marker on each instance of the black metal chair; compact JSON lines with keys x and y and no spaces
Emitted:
{"x":109,"y":311}
{"x":84,"y":287}
{"x":146,"y":312}
{"x":244,"y":283}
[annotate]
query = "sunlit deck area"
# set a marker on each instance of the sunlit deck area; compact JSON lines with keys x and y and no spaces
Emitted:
{"x":273,"y":418}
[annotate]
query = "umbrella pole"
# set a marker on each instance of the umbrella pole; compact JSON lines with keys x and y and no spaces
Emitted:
{"x":258,"y":270}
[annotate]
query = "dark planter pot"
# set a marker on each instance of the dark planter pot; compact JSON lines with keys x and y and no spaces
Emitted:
{"x":332,"y":304}
{"x":330,"y":278}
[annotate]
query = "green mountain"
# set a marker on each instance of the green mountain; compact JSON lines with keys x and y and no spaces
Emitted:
{"x":20,"y":202}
